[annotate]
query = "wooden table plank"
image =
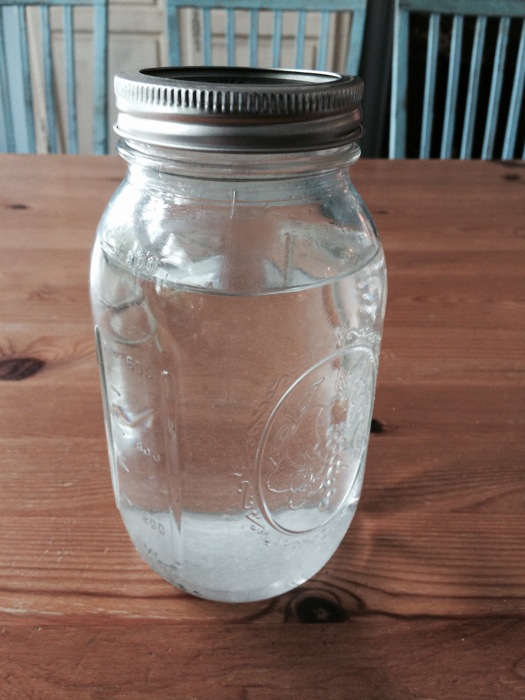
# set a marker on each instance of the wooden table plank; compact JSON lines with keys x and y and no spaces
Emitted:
{"x":429,"y":583}
{"x":377,"y":658}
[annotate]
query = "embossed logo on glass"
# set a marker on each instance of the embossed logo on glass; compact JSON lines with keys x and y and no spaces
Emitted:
{"x":313,"y":444}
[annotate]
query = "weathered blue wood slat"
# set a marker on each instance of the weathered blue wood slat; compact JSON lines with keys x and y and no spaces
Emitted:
{"x":100,"y":77}
{"x":230,"y":35}
{"x":172,"y":28}
{"x":516,"y":100}
{"x":398,"y":117}
{"x":454,"y":65}
{"x":301,"y":35}
{"x":25,"y":122}
{"x":19,"y":79}
{"x":357,"y":32}
{"x":276,"y":40}
{"x":69,"y":61}
{"x":473,"y":88}
{"x":26,"y":82}
{"x":7,"y":134}
{"x":254,"y":38}
{"x":49,"y":81}
{"x":495,"y":89}
{"x":206,"y":36}
{"x":322,"y":51}
{"x":430,"y":85}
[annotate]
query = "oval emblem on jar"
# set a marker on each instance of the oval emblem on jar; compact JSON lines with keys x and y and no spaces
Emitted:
{"x":312,"y":448}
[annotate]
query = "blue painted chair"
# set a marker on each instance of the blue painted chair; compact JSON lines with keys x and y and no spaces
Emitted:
{"x":324,"y":14}
{"x":21,"y":113}
{"x":481,"y":109}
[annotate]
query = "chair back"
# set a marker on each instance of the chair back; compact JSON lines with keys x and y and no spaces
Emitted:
{"x":40,"y":84}
{"x":465,"y":96}
{"x":320,"y":34}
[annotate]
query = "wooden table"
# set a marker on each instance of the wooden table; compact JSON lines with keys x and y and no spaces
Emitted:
{"x":426,"y":596}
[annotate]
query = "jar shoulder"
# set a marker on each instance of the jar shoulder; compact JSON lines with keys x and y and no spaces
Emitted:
{"x":282,"y":238}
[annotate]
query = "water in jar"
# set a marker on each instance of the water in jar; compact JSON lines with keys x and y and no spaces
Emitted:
{"x":238,"y":422}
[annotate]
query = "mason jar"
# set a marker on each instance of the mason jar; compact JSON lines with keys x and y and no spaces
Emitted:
{"x":238,"y":292}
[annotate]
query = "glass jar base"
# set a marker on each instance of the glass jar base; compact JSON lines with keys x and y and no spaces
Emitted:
{"x":228,"y":561}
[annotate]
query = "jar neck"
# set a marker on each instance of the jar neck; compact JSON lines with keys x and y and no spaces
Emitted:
{"x":217,"y":165}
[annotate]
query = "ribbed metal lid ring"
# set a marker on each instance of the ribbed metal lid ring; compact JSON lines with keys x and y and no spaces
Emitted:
{"x":238,"y":109}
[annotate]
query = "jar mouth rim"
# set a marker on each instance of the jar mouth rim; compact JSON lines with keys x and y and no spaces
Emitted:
{"x":240,"y":77}
{"x":239,"y":109}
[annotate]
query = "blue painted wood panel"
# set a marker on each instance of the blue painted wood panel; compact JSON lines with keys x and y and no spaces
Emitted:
{"x":17,"y":103}
{"x":465,"y":91}
{"x":326,"y":9}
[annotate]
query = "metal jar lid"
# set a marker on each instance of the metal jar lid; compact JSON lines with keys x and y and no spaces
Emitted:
{"x":238,"y":109}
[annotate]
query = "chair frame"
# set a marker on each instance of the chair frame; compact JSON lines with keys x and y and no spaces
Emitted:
{"x":482,"y":9}
{"x":356,"y":7}
{"x":100,"y":77}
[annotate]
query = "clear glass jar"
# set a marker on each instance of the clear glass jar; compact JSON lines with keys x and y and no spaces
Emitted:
{"x":238,"y":295}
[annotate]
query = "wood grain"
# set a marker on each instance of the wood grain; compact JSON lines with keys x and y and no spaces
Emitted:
{"x":426,"y":596}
